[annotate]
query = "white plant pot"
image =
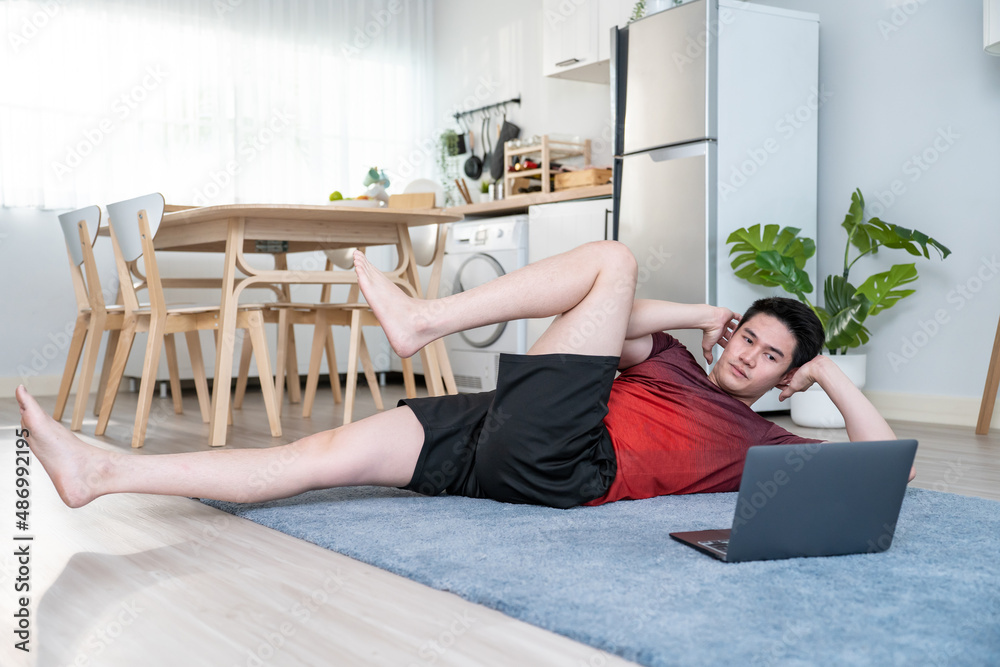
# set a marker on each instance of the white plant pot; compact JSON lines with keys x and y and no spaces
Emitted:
{"x":814,"y":409}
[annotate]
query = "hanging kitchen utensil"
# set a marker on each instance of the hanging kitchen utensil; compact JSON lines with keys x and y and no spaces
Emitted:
{"x":460,"y":147}
{"x":473,"y":166}
{"x":508,"y":131}
{"x":487,"y":144}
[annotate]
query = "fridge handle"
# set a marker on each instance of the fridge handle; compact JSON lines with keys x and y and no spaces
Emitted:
{"x":607,"y":214}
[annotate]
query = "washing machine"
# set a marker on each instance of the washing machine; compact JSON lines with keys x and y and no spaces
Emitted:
{"x":476,"y":252}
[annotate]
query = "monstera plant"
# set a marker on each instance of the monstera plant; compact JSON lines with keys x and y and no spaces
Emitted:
{"x":776,"y":257}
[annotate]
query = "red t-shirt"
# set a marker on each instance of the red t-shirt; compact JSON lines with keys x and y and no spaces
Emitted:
{"x":674,"y":431}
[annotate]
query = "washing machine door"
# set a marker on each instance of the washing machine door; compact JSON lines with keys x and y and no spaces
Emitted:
{"x":474,"y":271}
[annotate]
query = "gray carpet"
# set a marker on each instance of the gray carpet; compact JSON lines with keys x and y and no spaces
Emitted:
{"x":611,"y":577}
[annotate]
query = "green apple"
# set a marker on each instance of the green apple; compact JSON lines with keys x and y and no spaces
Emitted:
{"x":336,"y":196}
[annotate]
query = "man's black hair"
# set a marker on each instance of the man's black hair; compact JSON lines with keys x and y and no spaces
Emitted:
{"x":800,"y":320}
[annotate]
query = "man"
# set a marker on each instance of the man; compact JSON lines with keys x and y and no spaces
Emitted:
{"x":560,"y":430}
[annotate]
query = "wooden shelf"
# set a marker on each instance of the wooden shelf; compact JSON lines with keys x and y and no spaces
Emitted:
{"x":548,"y":151}
{"x":557,"y":149}
{"x":520,"y":203}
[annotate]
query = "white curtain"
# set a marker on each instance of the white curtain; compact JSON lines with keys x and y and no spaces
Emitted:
{"x":211,"y":101}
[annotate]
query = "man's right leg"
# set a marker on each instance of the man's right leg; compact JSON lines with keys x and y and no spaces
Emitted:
{"x":591,"y":288}
{"x":381,"y":450}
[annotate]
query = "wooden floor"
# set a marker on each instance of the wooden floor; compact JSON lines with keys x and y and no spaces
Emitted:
{"x":151,"y":580}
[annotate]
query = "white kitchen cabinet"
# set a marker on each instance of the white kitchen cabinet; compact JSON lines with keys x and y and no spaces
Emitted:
{"x":576,"y":37}
{"x":556,"y":228}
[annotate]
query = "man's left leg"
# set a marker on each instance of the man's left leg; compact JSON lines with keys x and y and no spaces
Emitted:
{"x":380,"y":450}
{"x":591,"y":288}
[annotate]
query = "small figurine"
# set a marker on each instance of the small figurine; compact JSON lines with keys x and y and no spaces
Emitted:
{"x":377,"y":183}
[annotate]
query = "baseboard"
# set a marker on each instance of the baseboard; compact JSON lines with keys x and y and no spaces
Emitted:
{"x":950,"y":410}
{"x":38,"y":385}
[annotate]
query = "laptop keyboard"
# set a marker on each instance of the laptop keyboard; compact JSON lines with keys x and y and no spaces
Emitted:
{"x":718,"y":546}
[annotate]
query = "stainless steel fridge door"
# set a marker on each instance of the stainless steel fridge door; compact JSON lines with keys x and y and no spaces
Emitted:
{"x":671,"y":77}
{"x":667,"y":218}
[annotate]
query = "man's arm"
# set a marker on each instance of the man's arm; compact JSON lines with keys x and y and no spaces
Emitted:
{"x":863,"y":421}
{"x":650,"y":316}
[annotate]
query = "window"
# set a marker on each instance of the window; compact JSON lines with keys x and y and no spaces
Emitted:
{"x":216,"y":101}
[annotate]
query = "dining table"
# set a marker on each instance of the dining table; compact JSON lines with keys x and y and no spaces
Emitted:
{"x":278,"y":229}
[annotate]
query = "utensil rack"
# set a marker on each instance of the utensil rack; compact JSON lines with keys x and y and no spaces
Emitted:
{"x":488,"y":107}
{"x":549,"y":150}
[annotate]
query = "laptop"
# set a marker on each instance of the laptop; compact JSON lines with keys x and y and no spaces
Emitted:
{"x":815,"y":499}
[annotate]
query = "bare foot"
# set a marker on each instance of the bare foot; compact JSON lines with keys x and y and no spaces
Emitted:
{"x":76,"y":468}
{"x":403,"y":318}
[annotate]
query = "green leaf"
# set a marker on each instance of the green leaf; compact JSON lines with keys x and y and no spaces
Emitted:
{"x":857,"y":233}
{"x":784,"y":272}
{"x":868,"y":235}
{"x":881,"y":289}
{"x":847,"y":312}
{"x":772,"y":256}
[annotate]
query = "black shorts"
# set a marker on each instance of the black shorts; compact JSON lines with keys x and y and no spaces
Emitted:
{"x":539,"y":438}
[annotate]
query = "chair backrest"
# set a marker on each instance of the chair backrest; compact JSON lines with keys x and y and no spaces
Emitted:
{"x":342,"y":258}
{"x":80,"y":229}
{"x":425,"y":243}
{"x":124,"y":219}
{"x":91,"y":217}
{"x":127,"y":240}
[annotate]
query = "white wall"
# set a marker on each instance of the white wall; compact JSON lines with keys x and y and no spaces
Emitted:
{"x":488,"y":52}
{"x":38,"y":304}
{"x":908,"y":79}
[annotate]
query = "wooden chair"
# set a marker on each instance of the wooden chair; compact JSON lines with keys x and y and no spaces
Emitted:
{"x":990,"y":390}
{"x":351,"y":314}
{"x":322,"y":316}
{"x":94,"y":317}
{"x":428,"y":246}
{"x":133,"y":226}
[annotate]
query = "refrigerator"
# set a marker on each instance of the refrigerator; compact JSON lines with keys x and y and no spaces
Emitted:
{"x":715,"y":105}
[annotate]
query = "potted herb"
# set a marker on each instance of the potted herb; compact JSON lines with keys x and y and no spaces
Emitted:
{"x":776,"y":257}
{"x":447,"y":148}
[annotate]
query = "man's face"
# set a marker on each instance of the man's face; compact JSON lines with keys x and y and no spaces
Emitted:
{"x":756,"y":359}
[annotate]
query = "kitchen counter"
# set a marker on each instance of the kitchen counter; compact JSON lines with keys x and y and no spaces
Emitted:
{"x":520,"y":203}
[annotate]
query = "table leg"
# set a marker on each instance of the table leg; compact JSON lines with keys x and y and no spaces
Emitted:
{"x":408,"y":382}
{"x":446,"y":372}
{"x":227,"y":335}
{"x":291,"y":360}
{"x":428,"y":355}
